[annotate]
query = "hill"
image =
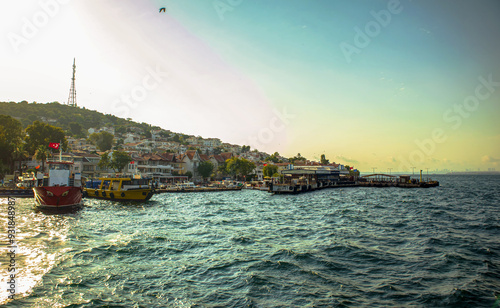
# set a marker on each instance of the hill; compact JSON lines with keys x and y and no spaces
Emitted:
{"x":74,"y":120}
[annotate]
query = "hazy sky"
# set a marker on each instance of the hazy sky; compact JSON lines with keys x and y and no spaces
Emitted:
{"x":382,"y":84}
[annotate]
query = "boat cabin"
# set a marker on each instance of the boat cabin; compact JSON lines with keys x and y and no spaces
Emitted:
{"x":121,"y":184}
{"x":60,"y":174}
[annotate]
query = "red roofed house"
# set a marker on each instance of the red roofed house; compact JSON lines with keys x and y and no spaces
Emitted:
{"x":191,"y":160}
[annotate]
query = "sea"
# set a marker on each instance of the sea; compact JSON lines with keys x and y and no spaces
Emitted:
{"x":344,"y":247}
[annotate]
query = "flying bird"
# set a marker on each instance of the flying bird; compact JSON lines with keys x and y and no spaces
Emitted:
{"x":162,"y":9}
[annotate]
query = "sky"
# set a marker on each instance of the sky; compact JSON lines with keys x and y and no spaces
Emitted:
{"x":385,"y":86}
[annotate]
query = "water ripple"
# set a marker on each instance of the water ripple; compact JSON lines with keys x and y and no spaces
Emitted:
{"x":332,"y":248}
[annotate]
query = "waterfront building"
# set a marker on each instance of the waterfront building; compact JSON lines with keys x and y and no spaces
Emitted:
{"x":191,"y":160}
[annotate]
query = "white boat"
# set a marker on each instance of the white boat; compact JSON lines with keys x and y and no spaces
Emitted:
{"x":185,"y":185}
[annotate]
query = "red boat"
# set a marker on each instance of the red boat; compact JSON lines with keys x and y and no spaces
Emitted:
{"x":61,"y":190}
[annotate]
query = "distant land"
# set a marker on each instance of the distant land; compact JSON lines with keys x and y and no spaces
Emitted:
{"x":475,"y":173}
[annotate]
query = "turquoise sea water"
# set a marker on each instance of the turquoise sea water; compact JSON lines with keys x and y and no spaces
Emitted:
{"x":350,"y":247}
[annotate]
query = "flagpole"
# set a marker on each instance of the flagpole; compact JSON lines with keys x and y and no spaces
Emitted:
{"x":60,"y":151}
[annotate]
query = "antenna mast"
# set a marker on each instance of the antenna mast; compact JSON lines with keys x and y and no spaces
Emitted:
{"x":72,"y":90}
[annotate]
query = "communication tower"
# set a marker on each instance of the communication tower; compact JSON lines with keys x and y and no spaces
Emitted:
{"x":72,"y":90}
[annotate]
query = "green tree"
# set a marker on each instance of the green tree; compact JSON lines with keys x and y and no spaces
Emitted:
{"x":119,"y":160}
{"x":205,"y":169}
{"x":164,"y":133}
{"x":270,"y":170}
{"x":3,"y":170}
{"x":247,"y":167}
{"x":19,"y":154}
{"x":10,"y":139}
{"x":146,"y":133}
{"x":351,"y":171}
{"x":5,"y":149}
{"x":274,"y":158}
{"x":120,"y":129}
{"x":239,"y":167}
{"x":297,"y":158}
{"x":222,"y":169}
{"x":12,"y":129}
{"x":103,"y":140}
{"x":245,"y":148}
{"x":218,"y":150}
{"x":41,"y":153}
{"x":39,"y":134}
{"x":105,"y":162}
{"x":189,"y":174}
{"x":324,"y":161}
{"x":32,"y":118}
{"x":182,"y":140}
{"x":76,"y":129}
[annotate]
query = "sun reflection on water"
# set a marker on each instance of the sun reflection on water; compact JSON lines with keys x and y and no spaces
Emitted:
{"x":41,"y":243}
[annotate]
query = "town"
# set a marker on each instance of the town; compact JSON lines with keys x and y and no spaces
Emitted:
{"x":136,"y":150}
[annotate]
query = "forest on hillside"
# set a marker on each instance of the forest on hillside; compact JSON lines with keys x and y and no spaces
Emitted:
{"x":74,"y":120}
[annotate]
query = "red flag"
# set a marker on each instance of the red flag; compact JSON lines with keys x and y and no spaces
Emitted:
{"x":54,"y":145}
{"x":132,"y":162}
{"x":37,"y":167}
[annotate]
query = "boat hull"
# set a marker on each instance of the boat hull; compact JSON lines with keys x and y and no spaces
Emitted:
{"x":57,"y":196}
{"x":121,"y":195}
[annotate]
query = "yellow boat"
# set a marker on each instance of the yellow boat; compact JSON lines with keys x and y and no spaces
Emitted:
{"x":119,"y":189}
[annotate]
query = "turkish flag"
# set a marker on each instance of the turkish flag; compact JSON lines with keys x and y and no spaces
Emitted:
{"x":54,"y":145}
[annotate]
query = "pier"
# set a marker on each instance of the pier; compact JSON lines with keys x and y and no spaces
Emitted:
{"x":387,"y":180}
{"x":304,"y":180}
{"x":300,"y":181}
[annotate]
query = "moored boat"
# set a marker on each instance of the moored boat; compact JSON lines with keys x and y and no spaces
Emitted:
{"x":63,"y":189}
{"x":119,"y":189}
{"x":16,"y":193}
